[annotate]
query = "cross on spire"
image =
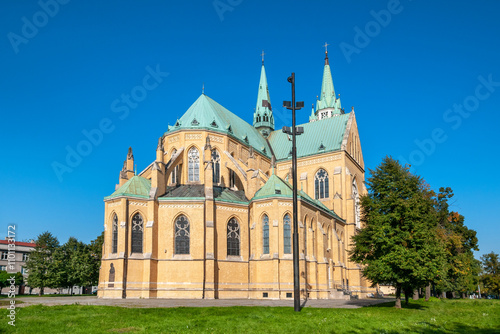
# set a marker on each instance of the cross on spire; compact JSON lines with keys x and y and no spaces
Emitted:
{"x":326,"y":47}
{"x":262,"y":54}
{"x":326,"y":53}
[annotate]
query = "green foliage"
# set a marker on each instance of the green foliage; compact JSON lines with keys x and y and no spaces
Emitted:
{"x":460,"y":271}
{"x":448,"y":316}
{"x":41,"y":262}
{"x":491,"y":273}
{"x":64,"y":269}
{"x":74,"y":263}
{"x":398,"y":244}
{"x":5,"y":278}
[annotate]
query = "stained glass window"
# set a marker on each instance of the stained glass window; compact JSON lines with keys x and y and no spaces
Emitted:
{"x":216,"y":166}
{"x":265,"y":234}
{"x":137,"y":230}
{"x":287,"y":235}
{"x":193,"y":165}
{"x":233,"y":237}
{"x":182,"y":235}
{"x":321,"y":184}
{"x":114,"y":244}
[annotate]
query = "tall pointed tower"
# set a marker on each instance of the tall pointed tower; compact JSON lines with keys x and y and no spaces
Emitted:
{"x":263,"y":119}
{"x":327,"y":105}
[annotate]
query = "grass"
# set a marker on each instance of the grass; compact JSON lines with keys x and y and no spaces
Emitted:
{"x":6,"y":302}
{"x":436,"y":316}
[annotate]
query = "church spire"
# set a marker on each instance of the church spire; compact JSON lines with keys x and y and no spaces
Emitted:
{"x":263,"y":119}
{"x":327,"y":99}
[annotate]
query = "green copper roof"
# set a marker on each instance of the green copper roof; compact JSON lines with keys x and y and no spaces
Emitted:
{"x":207,"y":114}
{"x":137,"y":186}
{"x":263,"y":116}
{"x":276,"y":187}
{"x":309,"y":199}
{"x":228,"y":195}
{"x":318,"y":137}
{"x":327,"y":98}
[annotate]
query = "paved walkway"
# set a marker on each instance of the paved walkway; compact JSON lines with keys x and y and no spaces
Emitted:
{"x":86,"y":300}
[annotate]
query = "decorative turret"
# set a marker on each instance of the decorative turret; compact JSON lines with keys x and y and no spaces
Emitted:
{"x":127,"y":171}
{"x":263,"y":119}
{"x":130,"y":164}
{"x":159,"y":150}
{"x":327,"y":104}
{"x":158,"y":179}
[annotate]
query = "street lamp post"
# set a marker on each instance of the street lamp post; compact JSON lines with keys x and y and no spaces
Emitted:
{"x":294,"y":131}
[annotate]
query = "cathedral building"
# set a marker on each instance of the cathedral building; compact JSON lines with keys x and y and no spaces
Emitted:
{"x":211,"y":217}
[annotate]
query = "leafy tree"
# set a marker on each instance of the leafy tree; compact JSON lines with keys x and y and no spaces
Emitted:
{"x":460,"y":271}
{"x":5,"y":278}
{"x":398,"y":244}
{"x":64,"y":269}
{"x":41,"y":263}
{"x":85,"y":262}
{"x":96,"y":255}
{"x":491,"y":273}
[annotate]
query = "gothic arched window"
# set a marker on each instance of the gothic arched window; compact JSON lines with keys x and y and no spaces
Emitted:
{"x":233,"y":237}
{"x":287,"y":235}
{"x":182,"y":235}
{"x":193,"y":165}
{"x":265,"y":235}
{"x":355,"y":198}
{"x":321,"y":184}
{"x":216,"y":166}
{"x":137,"y":231}
{"x":114,"y":235}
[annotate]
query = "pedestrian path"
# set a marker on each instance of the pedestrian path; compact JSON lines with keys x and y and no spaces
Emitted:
{"x":147,"y":303}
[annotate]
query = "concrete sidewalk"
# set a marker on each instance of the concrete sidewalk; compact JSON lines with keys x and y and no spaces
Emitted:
{"x":150,"y":303}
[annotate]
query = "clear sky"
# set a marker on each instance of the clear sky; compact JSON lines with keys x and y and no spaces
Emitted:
{"x":423,"y":77}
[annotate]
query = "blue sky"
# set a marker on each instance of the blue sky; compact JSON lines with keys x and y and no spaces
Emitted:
{"x":423,"y":77}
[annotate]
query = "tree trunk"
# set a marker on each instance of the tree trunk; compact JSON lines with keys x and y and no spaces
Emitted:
{"x":463,"y":295}
{"x":428,"y":292}
{"x":398,"y":296}
{"x":71,"y":290}
{"x":415,"y":294}
{"x":443,"y":295}
{"x":40,"y":292}
{"x":407,"y":296}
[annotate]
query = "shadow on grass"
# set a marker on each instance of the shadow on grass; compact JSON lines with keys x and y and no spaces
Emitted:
{"x":410,"y":306}
{"x":429,"y":328}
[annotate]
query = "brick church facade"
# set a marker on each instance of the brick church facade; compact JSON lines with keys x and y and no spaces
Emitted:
{"x":211,"y":217}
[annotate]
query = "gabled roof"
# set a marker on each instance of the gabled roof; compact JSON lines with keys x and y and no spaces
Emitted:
{"x":207,"y":114}
{"x":318,"y":137}
{"x":137,"y":186}
{"x":277,"y":187}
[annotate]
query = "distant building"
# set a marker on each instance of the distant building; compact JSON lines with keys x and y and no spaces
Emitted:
{"x":211,"y":217}
{"x":18,"y":260}
{"x":14,"y":259}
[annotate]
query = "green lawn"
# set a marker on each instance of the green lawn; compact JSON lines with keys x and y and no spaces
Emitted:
{"x":449,"y":316}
